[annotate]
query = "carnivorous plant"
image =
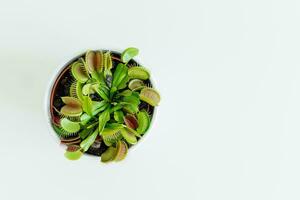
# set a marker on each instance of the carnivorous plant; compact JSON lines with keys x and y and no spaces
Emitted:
{"x":108,"y":104}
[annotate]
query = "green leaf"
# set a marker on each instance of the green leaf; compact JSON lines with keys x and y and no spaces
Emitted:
{"x":128,"y":54}
{"x":105,"y":88}
{"x":138,"y":73}
{"x":131,"y":103}
{"x":114,"y":126}
{"x":125,"y":93}
{"x":104,"y":117}
{"x":102,"y":90}
{"x":84,"y":133}
{"x":107,"y":73}
{"x":130,"y":108}
{"x":113,"y":90}
{"x":96,"y":108}
{"x":69,"y":126}
{"x":143,"y":122}
{"x":118,"y":116}
{"x":105,"y":106}
{"x":98,"y":76}
{"x":133,"y":99}
{"x":79,"y":91}
{"x":98,"y":104}
{"x":85,"y":144}
{"x":119,"y":74}
{"x":123,"y":83}
{"x":116,"y":107}
{"x":85,"y":118}
{"x":87,"y":105}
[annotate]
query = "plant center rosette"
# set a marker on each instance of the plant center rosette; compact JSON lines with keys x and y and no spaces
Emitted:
{"x":102,"y":103}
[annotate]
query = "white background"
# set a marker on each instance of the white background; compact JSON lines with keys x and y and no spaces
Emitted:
{"x":228,"y":123}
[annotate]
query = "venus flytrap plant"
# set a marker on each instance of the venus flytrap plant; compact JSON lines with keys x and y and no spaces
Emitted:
{"x":105,"y":105}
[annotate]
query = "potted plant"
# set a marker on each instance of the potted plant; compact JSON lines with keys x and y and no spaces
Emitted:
{"x":102,"y":103}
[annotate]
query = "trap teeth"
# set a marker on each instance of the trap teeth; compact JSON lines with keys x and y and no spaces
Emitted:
{"x":128,"y":136}
{"x":136,"y":84}
{"x":69,"y":126}
{"x":138,"y":73}
{"x":70,"y":141}
{"x":150,"y":96}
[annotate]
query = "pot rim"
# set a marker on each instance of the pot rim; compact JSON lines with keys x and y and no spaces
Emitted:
{"x":51,"y":83}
